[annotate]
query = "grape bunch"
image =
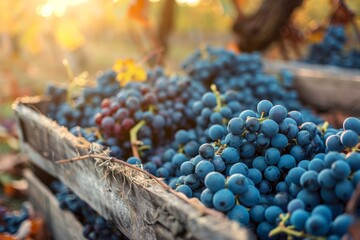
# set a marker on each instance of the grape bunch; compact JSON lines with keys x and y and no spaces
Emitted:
{"x":85,"y":106}
{"x":95,"y":226}
{"x":262,"y":161}
{"x":10,"y":221}
{"x":331,"y":50}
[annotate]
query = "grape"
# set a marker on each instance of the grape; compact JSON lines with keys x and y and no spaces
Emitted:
{"x":251,"y":197}
{"x":326,"y":179}
{"x":310,"y":199}
{"x":316,"y":165}
{"x":269,"y":128}
{"x":272,"y":173}
{"x":178,"y":159}
{"x":223,"y":200}
{"x":192,"y":181}
{"x":185,"y":190}
{"x":303,"y":138}
{"x":240,"y":214}
{"x":259,"y":163}
{"x":216,"y":132}
{"x":252,"y":124}
{"x":239,"y":168}
{"x":187,"y":168}
{"x":353,"y":159}
{"x":352,"y":123}
{"x":340,"y":169}
{"x":309,"y":180}
{"x":203,"y":168}
{"x":133,"y":161}
{"x":209,"y":100}
{"x":323,"y":211}
{"x":235,"y":126}
{"x":271,"y":213}
{"x":294,"y":205}
{"x":299,"y":218}
{"x":272,"y":156}
{"x":333,"y":143}
{"x":255,"y":175}
{"x":264,"y":106}
{"x":349,"y":138}
{"x":317,"y":225}
{"x":286,"y":162}
{"x":206,"y":198}
{"x":206,"y":151}
{"x":344,"y":190}
{"x":341,"y":224}
{"x":278,"y":113}
{"x":214,"y":181}
{"x":230,"y":155}
{"x":264,"y":229}
{"x":219,"y":164}
{"x":238,"y":183}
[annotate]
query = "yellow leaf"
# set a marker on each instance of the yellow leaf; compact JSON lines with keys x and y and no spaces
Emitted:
{"x":129,"y":71}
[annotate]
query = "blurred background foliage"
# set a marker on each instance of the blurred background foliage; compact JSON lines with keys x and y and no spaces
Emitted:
{"x":35,"y":36}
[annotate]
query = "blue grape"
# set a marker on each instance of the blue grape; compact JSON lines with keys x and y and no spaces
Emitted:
{"x":303,"y":138}
{"x":203,"y":168}
{"x":206,"y":198}
{"x":209,"y":100}
{"x":316,"y":165}
{"x":340,"y":169}
{"x":240,"y":168}
{"x":236,"y":126}
{"x":295,"y":174}
{"x":264,"y":106}
{"x":299,"y":218}
{"x":214,"y":181}
{"x":219,"y":164}
{"x":279,"y":141}
{"x":349,"y":138}
{"x":223,"y":200}
{"x":341,"y":224}
{"x":230,"y":155}
{"x":333,"y":143}
{"x":344,"y":190}
{"x":294,"y":205}
{"x":187,"y":168}
{"x":326,"y":179}
{"x":216,"y":132}
{"x":185,"y":189}
{"x":317,"y":225}
{"x":269,"y":128}
{"x":286,"y":162}
{"x":259,"y":163}
{"x":257,"y":213}
{"x":324,"y":211}
{"x":309,"y":180}
{"x":271,"y":213}
{"x":278,"y":113}
{"x":353,"y":159}
{"x":192,"y":181}
{"x":352,"y":123}
{"x":251,"y":197}
{"x":309,"y":198}
{"x":206,"y":151}
{"x":238,"y":184}
{"x":272,"y":173}
{"x":272,"y":156}
{"x":255,"y":175}
{"x":239,"y":214}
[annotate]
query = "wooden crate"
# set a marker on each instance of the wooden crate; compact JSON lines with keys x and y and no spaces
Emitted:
{"x":61,"y":224}
{"x":324,"y":87}
{"x":139,"y":207}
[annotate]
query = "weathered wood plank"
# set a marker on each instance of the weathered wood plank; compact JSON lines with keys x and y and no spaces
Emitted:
{"x":324,"y":87}
{"x":62,"y":224}
{"x":141,"y":210}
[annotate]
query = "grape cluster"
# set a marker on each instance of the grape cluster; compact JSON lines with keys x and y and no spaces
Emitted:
{"x":247,"y":147}
{"x":10,"y":221}
{"x":85,"y":106}
{"x":331,"y":50}
{"x":95,"y":226}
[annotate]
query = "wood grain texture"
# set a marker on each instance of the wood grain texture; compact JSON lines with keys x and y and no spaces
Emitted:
{"x":321,"y":86}
{"x":139,"y":210}
{"x":61,"y":223}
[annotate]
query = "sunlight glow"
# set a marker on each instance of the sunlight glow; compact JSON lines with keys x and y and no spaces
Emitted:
{"x":191,"y":3}
{"x":56,"y":7}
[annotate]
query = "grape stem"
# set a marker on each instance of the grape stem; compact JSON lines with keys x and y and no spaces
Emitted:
{"x":289,"y":230}
{"x":217,"y":95}
{"x":133,"y":138}
{"x":323,"y":128}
